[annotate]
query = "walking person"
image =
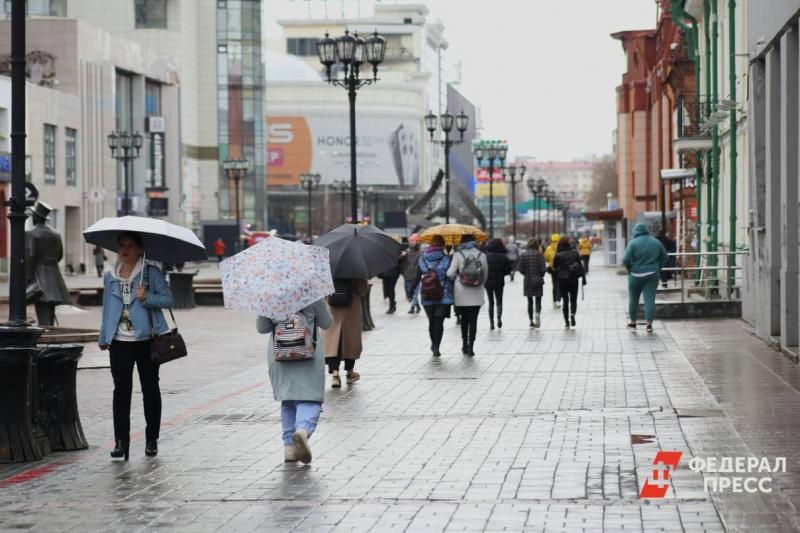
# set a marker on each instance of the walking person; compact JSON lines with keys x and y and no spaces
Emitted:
{"x":549,"y":257}
{"x":469,"y":270}
{"x":219,"y":249}
{"x":389,"y":279}
{"x":342,"y":341}
{"x":298,"y":385}
{"x":499,"y":268}
{"x":533,"y":268}
{"x":99,"y":260}
{"x":585,"y":249}
{"x":435,"y":290}
{"x":644,"y":258}
{"x":411,"y":273}
{"x":134,"y":294}
{"x":569,"y":271}
{"x":513,"y":256}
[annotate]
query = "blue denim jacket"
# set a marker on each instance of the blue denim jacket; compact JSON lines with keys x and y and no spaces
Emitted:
{"x":159,"y":296}
{"x":436,"y":258}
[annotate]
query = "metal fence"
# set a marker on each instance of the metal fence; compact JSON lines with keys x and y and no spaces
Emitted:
{"x":708,"y":275}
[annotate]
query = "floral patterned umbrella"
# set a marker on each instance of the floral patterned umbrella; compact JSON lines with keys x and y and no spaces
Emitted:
{"x":276,"y":278}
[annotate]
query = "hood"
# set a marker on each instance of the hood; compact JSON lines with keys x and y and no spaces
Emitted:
{"x":640,"y":229}
{"x":433,"y":253}
{"x":467,"y":246}
{"x":555,"y":237}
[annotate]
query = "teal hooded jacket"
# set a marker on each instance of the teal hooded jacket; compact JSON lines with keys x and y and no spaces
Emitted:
{"x":644,"y":253}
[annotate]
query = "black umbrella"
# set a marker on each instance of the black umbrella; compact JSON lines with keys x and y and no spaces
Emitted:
{"x":359,"y":252}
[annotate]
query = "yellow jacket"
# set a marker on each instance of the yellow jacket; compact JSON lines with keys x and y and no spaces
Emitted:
{"x":585,"y":246}
{"x":550,"y":251}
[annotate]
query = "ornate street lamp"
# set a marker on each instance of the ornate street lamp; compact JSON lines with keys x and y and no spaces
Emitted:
{"x":445,"y":122}
{"x":236,"y":170}
{"x":341,"y":187}
{"x":309,"y":182}
{"x":515,"y":175}
{"x":351,"y":51}
{"x":125,"y":147}
{"x":495,"y":155}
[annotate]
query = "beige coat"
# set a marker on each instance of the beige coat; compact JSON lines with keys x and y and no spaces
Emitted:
{"x":347,"y":324}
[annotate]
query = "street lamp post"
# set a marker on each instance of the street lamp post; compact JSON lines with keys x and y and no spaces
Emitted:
{"x":514,"y":171}
{"x":446,"y":124}
{"x":309,"y":182}
{"x":125,"y":147}
{"x":493,"y":152}
{"x":551,"y":200}
{"x":341,"y":187}
{"x":236,"y":170}
{"x":405,"y":199}
{"x":351,"y":51}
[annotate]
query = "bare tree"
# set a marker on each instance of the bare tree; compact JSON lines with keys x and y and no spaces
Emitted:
{"x":604,"y":181}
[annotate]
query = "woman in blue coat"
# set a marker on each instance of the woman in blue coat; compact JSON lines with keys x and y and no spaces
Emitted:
{"x":434,"y":259}
{"x":134,"y":293}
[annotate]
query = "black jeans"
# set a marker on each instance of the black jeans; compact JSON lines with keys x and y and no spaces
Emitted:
{"x":335,"y":362}
{"x":389,"y":289}
{"x":435,"y":324}
{"x":569,"y":295}
{"x":556,"y":291}
{"x":492,"y":295}
{"x":585,"y":259}
{"x":530,"y":306}
{"x":469,"y":323}
{"x":123,"y":355}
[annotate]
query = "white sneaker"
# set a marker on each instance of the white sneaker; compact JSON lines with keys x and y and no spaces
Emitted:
{"x":300,"y":440}
{"x":289,"y":453}
{"x":537,"y":321}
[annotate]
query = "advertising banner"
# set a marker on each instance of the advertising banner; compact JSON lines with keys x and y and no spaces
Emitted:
{"x":388,"y":149}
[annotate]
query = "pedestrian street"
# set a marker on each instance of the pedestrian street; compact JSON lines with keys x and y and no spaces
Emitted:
{"x":543,"y":430}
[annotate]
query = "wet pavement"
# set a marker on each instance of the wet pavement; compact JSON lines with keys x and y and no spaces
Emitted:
{"x":544,"y":430}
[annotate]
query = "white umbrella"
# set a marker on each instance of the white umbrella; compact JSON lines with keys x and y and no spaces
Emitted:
{"x":276,"y":278}
{"x":162,"y":241}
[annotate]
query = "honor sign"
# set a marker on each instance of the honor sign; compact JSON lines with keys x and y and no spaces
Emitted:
{"x":388,"y":149}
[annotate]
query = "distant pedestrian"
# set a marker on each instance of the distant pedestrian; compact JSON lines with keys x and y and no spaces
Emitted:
{"x":644,"y":258}
{"x":298,"y":385}
{"x":411,"y":273}
{"x":342,"y":341}
{"x":134,"y":294}
{"x":549,"y":256}
{"x":99,"y":260}
{"x":219,"y":249}
{"x":671,"y":246}
{"x":585,"y":249}
{"x":499,"y":268}
{"x":435,"y":290}
{"x":569,"y":271}
{"x":533,"y":268}
{"x":469,"y":270}
{"x":513,"y":256}
{"x":389,"y":279}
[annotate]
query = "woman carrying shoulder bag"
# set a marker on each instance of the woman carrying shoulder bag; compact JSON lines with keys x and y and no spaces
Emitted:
{"x":568,"y":267}
{"x":134,"y":293}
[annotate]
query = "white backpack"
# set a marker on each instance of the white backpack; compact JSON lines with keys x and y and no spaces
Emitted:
{"x":292,"y":339}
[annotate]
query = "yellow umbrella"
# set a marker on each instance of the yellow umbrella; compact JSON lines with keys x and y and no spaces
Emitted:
{"x":452,"y":233}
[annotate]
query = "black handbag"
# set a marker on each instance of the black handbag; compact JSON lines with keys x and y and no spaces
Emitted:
{"x":167,"y":346}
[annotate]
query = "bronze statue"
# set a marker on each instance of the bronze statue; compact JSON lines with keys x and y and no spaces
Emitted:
{"x":43,"y":250}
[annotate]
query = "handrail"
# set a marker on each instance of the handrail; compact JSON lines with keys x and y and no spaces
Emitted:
{"x":713,"y":279}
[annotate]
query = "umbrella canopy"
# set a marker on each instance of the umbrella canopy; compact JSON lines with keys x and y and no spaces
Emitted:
{"x":276,"y":278}
{"x":452,"y":233}
{"x":162,"y":241}
{"x":359,"y":252}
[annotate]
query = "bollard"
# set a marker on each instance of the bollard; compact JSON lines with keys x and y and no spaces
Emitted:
{"x":57,"y":367}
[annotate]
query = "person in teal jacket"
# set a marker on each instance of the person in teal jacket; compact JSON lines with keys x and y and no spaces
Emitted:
{"x":644,"y":258}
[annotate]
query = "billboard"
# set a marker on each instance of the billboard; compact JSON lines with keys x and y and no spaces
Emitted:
{"x":462,"y":161}
{"x":387,"y":149}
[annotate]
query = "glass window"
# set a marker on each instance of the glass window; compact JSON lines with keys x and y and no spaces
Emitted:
{"x":49,"y":153}
{"x":152,"y":99}
{"x":124,"y":101}
{"x":46,"y":8}
{"x":71,"y":155}
{"x":151,"y":14}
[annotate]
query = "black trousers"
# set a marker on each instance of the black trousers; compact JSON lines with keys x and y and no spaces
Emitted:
{"x":530,"y":306}
{"x":585,"y":259}
{"x":556,"y":291}
{"x":435,"y":324}
{"x":335,"y":362}
{"x":495,"y":295}
{"x":45,"y":313}
{"x":469,"y":323}
{"x":389,"y":289}
{"x":569,"y":295}
{"x":123,"y":356}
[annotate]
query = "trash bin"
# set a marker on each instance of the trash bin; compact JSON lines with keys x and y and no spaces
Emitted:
{"x":57,"y":367}
{"x":17,"y":441}
{"x":182,"y":286}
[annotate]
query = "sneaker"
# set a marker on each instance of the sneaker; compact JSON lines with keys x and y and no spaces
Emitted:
{"x":532,"y":324}
{"x":537,"y":321}
{"x":632,"y":325}
{"x":649,"y":327}
{"x":300,"y":440}
{"x":572,"y":320}
{"x":566,"y":324}
{"x":491,"y":326}
{"x":352,"y":377}
{"x":289,"y":453}
{"x":336,"y":381}
{"x":411,"y":310}
{"x":470,"y":351}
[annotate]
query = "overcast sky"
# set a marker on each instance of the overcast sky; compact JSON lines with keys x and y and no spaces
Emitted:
{"x":543,"y":72}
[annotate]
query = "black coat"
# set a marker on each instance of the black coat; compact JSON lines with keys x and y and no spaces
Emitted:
{"x":499,"y":268}
{"x":561,"y":265}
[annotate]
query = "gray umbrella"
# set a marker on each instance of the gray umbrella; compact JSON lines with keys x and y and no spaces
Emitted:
{"x":359,"y":252}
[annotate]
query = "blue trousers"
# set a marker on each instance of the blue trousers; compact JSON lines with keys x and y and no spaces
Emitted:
{"x":296,"y":415}
{"x":415,"y":296}
{"x":637,"y":286}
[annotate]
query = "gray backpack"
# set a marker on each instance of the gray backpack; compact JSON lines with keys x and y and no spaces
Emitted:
{"x":471,"y":274}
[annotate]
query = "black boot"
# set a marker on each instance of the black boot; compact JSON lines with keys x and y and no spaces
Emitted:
{"x":151,"y":448}
{"x":499,"y":317}
{"x":392,"y":308}
{"x":121,"y":449}
{"x":465,"y":347}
